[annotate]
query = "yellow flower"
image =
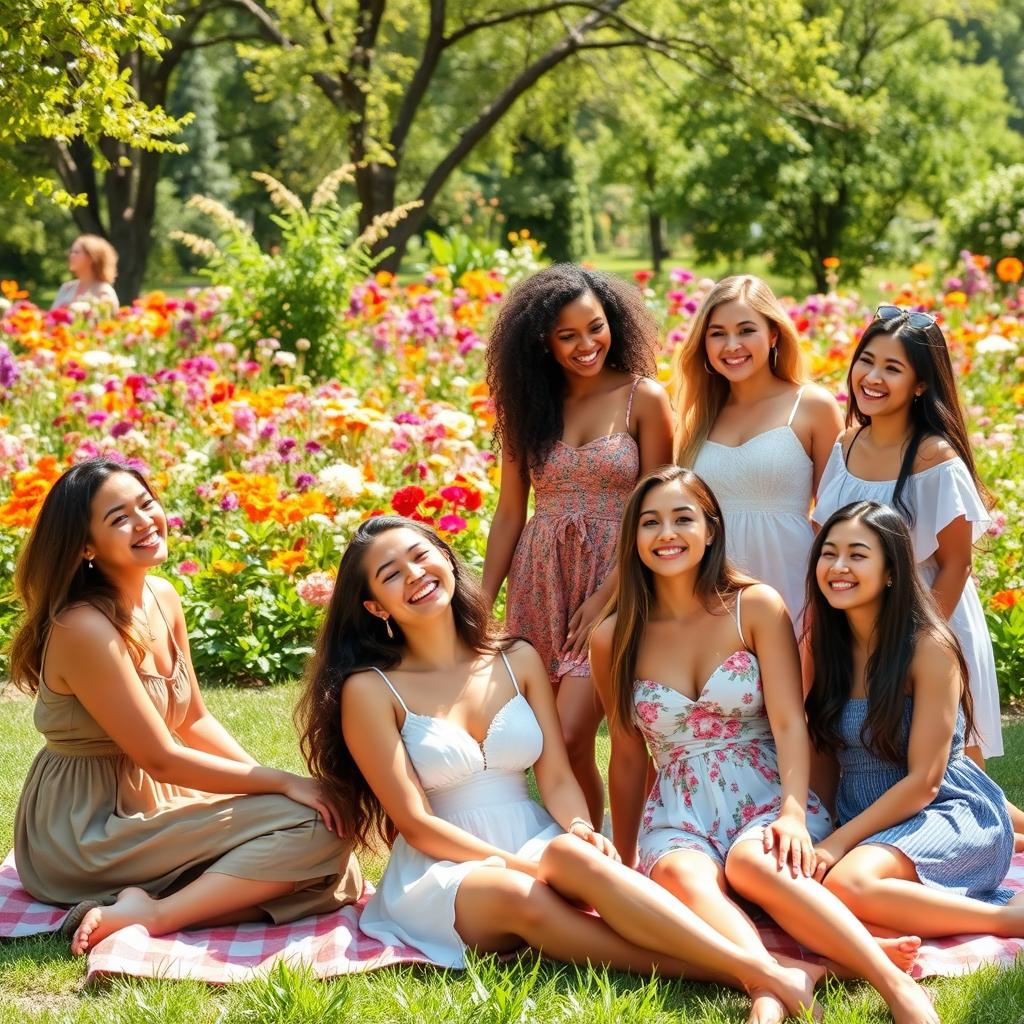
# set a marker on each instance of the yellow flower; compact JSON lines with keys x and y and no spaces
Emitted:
{"x":226,"y":566}
{"x":956,"y":299}
{"x":287,"y":561}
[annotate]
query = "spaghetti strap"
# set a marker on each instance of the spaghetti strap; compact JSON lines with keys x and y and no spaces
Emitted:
{"x":739,"y":622}
{"x":629,"y":410}
{"x":159,"y":608}
{"x":796,"y":405}
{"x":511,"y":674}
{"x":846,"y":454}
{"x":398,"y":696}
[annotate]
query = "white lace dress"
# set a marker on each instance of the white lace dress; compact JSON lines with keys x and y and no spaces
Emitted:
{"x":480,"y":787}
{"x":764,"y":487}
{"x":938,"y":495}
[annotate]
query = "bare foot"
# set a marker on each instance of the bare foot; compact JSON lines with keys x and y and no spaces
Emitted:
{"x":903,"y":952}
{"x":1018,"y":842}
{"x":911,"y":1004}
{"x":794,"y":985}
{"x":133,"y":906}
{"x":765,"y":1008}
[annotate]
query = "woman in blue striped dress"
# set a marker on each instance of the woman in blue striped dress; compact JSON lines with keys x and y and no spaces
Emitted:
{"x":924,"y":840}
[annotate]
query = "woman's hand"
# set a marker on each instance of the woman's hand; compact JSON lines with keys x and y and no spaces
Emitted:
{"x":581,"y":625}
{"x":309,"y":793}
{"x":581,"y":830}
{"x":789,"y":838}
{"x":826,"y":855}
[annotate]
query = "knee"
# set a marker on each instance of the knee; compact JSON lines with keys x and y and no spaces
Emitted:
{"x":848,"y":885}
{"x":568,"y":857}
{"x":686,"y":884}
{"x":748,"y":868}
{"x":579,"y":742}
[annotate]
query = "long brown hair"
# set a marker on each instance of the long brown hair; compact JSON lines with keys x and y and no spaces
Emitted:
{"x":908,"y":612}
{"x":352,"y":640}
{"x":52,"y":574}
{"x":717,"y":582}
{"x":699,"y":395}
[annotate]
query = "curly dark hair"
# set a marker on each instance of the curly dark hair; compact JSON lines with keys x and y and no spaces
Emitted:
{"x":527,"y":385}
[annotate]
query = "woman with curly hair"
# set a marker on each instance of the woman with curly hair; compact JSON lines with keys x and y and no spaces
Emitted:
{"x":578,"y":419}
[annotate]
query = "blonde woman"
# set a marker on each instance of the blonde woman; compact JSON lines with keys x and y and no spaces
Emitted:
{"x":754,"y":429}
{"x":93,"y":261}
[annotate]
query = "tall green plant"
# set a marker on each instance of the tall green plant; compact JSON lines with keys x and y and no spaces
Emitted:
{"x":297,"y":291}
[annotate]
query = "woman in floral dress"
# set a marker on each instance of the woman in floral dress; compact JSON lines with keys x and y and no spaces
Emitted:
{"x":699,"y":664}
{"x":579,"y":420}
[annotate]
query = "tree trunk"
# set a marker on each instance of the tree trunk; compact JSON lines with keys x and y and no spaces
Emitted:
{"x":654,"y":226}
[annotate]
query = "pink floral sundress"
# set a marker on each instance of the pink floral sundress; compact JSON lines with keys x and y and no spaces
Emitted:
{"x":718,"y":775}
{"x":569,"y":545}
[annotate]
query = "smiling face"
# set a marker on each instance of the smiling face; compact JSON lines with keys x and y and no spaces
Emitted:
{"x":672,"y":532}
{"x":882,"y":379}
{"x":738,"y":340}
{"x":581,"y":338}
{"x":127,"y":526}
{"x":408,"y":577}
{"x":851,"y":570}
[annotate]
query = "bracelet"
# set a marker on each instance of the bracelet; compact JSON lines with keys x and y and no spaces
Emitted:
{"x":579,"y":821}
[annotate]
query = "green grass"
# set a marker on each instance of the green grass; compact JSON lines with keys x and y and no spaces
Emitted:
{"x":40,"y":983}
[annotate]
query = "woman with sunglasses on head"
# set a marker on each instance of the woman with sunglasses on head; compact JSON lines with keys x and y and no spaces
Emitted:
{"x":422,"y":721}
{"x":906,"y":445}
{"x":924,"y":840}
{"x":754,"y":429}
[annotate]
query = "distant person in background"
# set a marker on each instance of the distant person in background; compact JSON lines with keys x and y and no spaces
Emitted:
{"x":93,"y":261}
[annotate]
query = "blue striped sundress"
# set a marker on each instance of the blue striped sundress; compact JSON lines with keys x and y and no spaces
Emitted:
{"x":962,"y":841}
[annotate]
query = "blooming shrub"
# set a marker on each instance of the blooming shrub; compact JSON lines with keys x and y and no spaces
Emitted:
{"x":265,"y":470}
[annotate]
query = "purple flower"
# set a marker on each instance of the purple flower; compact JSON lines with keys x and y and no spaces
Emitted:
{"x":229,"y":502}
{"x":120,"y":428}
{"x":304,"y":481}
{"x":9,"y":372}
{"x":313,"y":447}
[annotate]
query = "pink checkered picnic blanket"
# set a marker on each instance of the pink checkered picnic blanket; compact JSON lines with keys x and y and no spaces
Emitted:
{"x":332,"y":944}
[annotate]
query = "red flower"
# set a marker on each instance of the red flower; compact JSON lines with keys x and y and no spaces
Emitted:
{"x":406,"y":499}
{"x":455,"y":494}
{"x":642,"y":276}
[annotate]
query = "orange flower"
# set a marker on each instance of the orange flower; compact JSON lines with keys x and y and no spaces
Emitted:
{"x":956,"y":299}
{"x":1009,"y":269}
{"x":384,"y":278}
{"x":831,"y":262}
{"x":29,"y":488}
{"x":1004,"y":600}
{"x":287,"y":561}
{"x":981,"y":262}
{"x":11,"y":291}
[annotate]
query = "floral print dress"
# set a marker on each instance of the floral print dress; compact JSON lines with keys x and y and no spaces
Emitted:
{"x":718,"y":776}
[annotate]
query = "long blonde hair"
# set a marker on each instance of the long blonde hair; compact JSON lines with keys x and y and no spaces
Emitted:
{"x":699,"y":396}
{"x":102,"y":255}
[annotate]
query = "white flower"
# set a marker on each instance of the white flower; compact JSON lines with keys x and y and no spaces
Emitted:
{"x":341,"y":480}
{"x":97,"y":359}
{"x":993,"y":345}
{"x":455,"y":422}
{"x":286,"y":359}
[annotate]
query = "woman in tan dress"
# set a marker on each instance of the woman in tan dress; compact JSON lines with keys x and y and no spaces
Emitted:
{"x":141,"y":808}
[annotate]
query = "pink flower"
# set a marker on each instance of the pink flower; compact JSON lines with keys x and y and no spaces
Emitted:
{"x":451,"y":524}
{"x":704,"y":724}
{"x":646,"y":711}
{"x":316,"y":588}
{"x":188,"y":568}
{"x":738,"y":662}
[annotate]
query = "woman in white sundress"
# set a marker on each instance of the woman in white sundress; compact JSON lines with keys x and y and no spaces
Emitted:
{"x":439,"y":721}
{"x":754,"y":429}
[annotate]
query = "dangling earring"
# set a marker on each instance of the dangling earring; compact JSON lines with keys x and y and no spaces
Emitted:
{"x":708,"y":368}
{"x":387,"y":626}
{"x":773,"y":356}
{"x":90,"y":563}
{"x":888,"y":583}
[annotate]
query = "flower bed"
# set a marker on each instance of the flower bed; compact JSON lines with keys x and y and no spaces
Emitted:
{"x":264,"y":473}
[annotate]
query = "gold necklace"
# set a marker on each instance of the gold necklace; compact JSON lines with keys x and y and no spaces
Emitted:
{"x":145,"y":622}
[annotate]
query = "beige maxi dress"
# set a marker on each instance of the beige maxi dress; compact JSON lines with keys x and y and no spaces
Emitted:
{"x":91,"y":822}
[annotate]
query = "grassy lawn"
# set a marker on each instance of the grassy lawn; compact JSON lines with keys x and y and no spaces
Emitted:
{"x":40,"y":982}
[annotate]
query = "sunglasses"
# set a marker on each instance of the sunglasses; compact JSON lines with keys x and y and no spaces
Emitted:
{"x":914,"y":317}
